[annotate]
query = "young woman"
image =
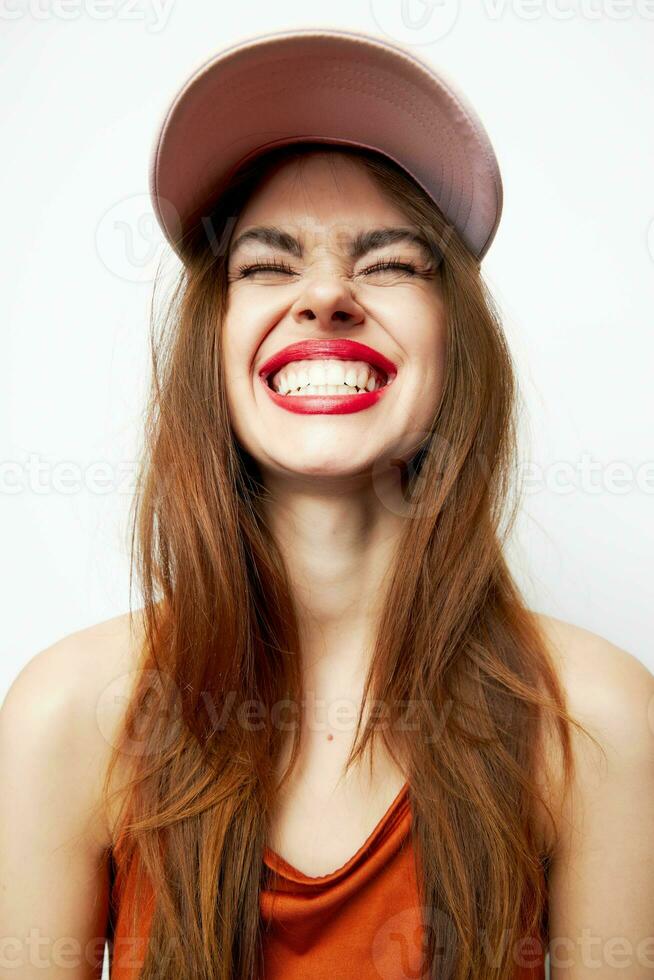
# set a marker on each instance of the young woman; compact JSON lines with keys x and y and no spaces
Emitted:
{"x":333,"y":742}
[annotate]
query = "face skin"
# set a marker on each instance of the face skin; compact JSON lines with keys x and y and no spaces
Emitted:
{"x":335,"y":531}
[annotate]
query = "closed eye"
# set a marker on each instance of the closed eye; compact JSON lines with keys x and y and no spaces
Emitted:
{"x":383,"y":264}
{"x":391,"y":264}
{"x":246,"y":270}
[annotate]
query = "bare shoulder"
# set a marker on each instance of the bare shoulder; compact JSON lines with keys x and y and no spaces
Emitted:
{"x":599,"y":677}
{"x":65,"y":706}
{"x":609,"y":691}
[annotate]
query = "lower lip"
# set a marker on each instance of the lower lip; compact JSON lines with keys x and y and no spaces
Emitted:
{"x":325,"y":404}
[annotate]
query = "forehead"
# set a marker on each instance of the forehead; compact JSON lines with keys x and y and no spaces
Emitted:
{"x":313,"y":175}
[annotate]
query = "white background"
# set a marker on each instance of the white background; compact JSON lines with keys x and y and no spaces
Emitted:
{"x":565,"y":90}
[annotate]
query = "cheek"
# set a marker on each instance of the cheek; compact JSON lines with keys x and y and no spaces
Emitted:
{"x":424,"y":338}
{"x":232,"y":357}
{"x":425,"y":349}
{"x":438,"y":350}
{"x":435,"y":358}
{"x":238,"y":348}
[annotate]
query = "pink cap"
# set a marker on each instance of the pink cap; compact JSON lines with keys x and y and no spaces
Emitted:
{"x":329,"y":86}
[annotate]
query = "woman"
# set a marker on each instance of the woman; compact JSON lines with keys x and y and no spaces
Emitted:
{"x":333,"y":742}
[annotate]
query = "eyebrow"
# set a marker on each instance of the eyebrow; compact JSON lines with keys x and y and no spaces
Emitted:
{"x":364,"y":241}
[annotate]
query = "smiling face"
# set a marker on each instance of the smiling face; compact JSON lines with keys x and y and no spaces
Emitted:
{"x":323,"y":289}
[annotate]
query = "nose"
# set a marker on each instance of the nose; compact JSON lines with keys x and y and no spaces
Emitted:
{"x":329,"y":301}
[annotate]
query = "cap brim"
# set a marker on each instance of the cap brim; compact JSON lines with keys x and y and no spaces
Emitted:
{"x":324,"y":85}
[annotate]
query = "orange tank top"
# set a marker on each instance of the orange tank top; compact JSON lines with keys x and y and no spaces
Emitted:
{"x":363,"y":920}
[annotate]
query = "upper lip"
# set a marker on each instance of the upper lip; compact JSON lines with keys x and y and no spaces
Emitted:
{"x":340,"y":349}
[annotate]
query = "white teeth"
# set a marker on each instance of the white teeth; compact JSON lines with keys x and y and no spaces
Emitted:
{"x":303,"y":378}
{"x":320,"y":376}
{"x":335,"y":375}
{"x":321,"y":390}
{"x":317,"y":373}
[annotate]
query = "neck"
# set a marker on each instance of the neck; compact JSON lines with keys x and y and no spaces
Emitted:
{"x":338,"y":544}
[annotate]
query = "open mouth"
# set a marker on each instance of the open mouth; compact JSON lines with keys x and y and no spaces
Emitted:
{"x":326,"y":376}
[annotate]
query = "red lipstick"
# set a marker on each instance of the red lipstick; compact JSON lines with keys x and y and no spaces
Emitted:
{"x":338,"y":349}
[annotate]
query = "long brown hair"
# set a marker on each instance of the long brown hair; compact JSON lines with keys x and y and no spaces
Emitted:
{"x":455,"y":643}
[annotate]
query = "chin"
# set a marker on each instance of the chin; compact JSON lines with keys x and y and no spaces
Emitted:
{"x":317,"y":466}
